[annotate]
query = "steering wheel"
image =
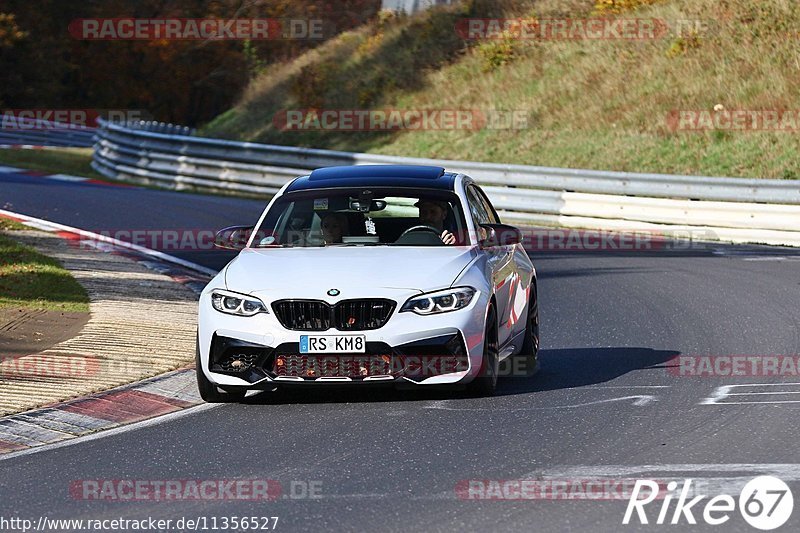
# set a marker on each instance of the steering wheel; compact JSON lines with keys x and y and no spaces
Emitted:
{"x":422,"y":227}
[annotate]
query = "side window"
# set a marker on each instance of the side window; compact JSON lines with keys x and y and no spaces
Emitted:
{"x":476,"y":207}
{"x":487,"y":206}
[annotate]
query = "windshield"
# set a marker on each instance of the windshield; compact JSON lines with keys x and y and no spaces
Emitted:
{"x":362,"y":218}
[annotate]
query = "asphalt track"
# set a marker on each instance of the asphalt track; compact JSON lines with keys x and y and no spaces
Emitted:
{"x":605,"y":405}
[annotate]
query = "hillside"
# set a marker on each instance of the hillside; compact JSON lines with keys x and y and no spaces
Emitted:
{"x":611,"y":103}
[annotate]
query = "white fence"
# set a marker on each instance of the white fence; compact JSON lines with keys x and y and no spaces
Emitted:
{"x":733,"y":209}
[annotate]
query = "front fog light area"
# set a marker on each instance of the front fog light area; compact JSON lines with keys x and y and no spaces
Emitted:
{"x":236,"y":304}
{"x":235,"y":357}
{"x":440,"y":301}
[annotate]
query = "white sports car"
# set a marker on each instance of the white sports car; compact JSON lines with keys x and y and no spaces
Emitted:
{"x":359,"y":275}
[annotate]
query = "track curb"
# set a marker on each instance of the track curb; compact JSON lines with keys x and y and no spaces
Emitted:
{"x":126,"y":404}
{"x":149,"y":398}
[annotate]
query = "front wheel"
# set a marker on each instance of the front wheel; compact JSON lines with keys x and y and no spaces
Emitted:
{"x":485,"y":383}
{"x":209,"y":391}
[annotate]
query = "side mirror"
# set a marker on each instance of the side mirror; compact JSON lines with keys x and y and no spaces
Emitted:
{"x":500,"y":235}
{"x":233,"y":237}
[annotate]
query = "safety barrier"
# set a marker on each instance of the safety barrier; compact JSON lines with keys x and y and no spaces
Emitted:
{"x":733,"y":209}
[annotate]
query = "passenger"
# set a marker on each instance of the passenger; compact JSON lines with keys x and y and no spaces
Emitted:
{"x":433,"y":213}
{"x":334,"y":226}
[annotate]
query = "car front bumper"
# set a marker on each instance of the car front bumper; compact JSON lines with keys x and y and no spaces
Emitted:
{"x":413,"y":350}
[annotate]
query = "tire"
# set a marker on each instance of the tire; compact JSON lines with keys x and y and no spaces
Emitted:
{"x":485,"y":383}
{"x":209,"y":391}
{"x":527,"y":362}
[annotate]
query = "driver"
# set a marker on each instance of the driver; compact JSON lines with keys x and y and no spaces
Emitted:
{"x":334,"y":226}
{"x":433,"y":213}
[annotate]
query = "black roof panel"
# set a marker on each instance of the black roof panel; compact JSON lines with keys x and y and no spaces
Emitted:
{"x":427,"y":177}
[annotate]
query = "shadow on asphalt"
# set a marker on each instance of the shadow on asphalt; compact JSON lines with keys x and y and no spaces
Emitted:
{"x":560,"y":369}
{"x":543,"y":274}
{"x":569,"y":368}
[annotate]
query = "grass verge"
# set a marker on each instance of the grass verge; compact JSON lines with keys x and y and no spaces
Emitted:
{"x":590,"y":103}
{"x":72,"y":161}
{"x":6,"y":224}
{"x":29,"y":279}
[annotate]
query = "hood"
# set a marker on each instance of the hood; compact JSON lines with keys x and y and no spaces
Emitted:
{"x":310,"y":272}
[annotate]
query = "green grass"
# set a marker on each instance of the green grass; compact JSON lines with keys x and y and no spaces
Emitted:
{"x":72,"y":161}
{"x":601,"y":104}
{"x":29,"y":279}
{"x":6,"y":224}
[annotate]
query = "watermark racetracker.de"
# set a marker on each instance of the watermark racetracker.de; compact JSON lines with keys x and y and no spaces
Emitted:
{"x":734,"y":366}
{"x":532,"y":239}
{"x":377,"y":120}
{"x":194,"y":29}
{"x":734,"y":120}
{"x":580,"y":29}
{"x":560,"y":29}
{"x":554,"y":489}
{"x":171,"y":490}
{"x":61,"y":366}
{"x":66,"y":119}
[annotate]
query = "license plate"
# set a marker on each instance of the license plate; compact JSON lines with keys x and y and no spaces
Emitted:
{"x":333,"y":344}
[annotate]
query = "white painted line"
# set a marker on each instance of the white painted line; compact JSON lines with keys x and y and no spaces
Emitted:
{"x":725,"y":391}
{"x":771,"y":402}
{"x":65,"y":177}
{"x":53,"y":226}
{"x":717,"y":394}
{"x":5,"y":169}
{"x":757,"y":393}
{"x":789,"y":471}
{"x":115,"y":431}
{"x":640,"y":400}
{"x":706,"y":478}
{"x":634,"y":387}
{"x":776,"y":384}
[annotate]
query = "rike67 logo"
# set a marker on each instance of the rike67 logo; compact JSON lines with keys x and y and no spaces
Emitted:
{"x":765,"y":503}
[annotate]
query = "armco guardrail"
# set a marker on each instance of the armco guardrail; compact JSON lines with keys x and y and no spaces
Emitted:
{"x":30,"y":132}
{"x":739,"y":210}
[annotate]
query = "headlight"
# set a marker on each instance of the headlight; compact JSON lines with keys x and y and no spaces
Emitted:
{"x":234,"y":303}
{"x":440,"y":301}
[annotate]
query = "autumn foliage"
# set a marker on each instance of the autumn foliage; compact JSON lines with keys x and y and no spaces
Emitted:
{"x":186,"y":82}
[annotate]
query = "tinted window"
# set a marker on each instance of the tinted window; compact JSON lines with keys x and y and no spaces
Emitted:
{"x":326,"y":217}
